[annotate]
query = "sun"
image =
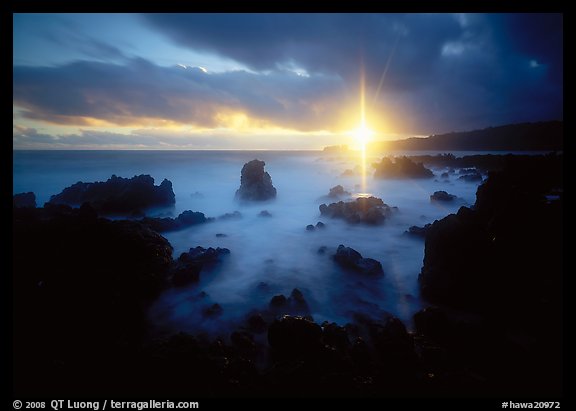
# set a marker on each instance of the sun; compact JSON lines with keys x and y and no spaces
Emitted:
{"x":363,"y":135}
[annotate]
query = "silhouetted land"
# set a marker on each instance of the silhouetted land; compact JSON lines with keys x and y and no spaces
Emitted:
{"x":542,"y":136}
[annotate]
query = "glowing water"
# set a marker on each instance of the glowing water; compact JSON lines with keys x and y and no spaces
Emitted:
{"x":277,"y":250}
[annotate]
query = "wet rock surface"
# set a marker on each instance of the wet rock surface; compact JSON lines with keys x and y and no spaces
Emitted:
{"x":442,"y":196}
{"x":351,"y":259}
{"x":368,"y":210}
{"x":184,"y":220}
{"x":187,"y":268}
{"x":401,"y":167}
{"x":494,"y":273}
{"x":255,"y":183}
{"x":118,"y":195}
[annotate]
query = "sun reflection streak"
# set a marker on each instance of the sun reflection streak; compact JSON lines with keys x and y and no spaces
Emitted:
{"x":363,"y":133}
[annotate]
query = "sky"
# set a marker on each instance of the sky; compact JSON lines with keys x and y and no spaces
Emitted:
{"x":277,"y":81}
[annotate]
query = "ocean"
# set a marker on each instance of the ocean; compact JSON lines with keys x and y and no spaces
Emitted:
{"x":269,"y":255}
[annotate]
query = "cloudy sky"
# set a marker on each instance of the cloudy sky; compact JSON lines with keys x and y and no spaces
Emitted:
{"x":272,"y":81}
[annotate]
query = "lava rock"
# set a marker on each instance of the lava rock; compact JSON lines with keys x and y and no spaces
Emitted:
{"x":401,"y":167}
{"x":368,"y":210}
{"x":471,"y":178}
{"x":337,"y":192}
{"x":295,"y":336}
{"x":264,"y":213}
{"x":256,"y":323}
{"x":118,"y":195}
{"x":278,"y":302}
{"x":418,"y":231}
{"x":189,"y":265}
{"x":236,"y":215}
{"x":351,"y":259}
{"x":184,"y":220}
{"x":215,"y":310}
{"x":255,"y":183}
{"x":310,"y":227}
{"x":442,"y":196}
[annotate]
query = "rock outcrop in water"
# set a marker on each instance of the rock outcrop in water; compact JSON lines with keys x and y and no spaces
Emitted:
{"x":255,"y":183}
{"x":351,"y":259}
{"x":497,"y":270}
{"x":337,"y":192}
{"x":442,"y":196}
{"x":368,"y":210}
{"x":401,"y":167}
{"x":184,"y":220}
{"x":187,"y":268}
{"x":82,"y":296}
{"x":418,"y":231}
{"x":471,"y":178}
{"x":24,"y":200}
{"x":469,"y":252}
{"x":118,"y":195}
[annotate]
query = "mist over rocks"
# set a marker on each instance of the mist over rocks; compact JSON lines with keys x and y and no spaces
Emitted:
{"x":351,"y":259}
{"x":118,"y":194}
{"x":368,"y":210}
{"x":468,"y":252}
{"x":255,"y":183}
{"x":185,"y":219}
{"x":442,"y":196}
{"x":401,"y":167}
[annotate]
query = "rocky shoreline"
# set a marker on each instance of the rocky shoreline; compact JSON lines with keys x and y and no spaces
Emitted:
{"x":82,"y":284}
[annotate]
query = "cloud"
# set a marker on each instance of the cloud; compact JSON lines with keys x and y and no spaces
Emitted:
{"x":442,"y":72}
{"x":140,"y":92}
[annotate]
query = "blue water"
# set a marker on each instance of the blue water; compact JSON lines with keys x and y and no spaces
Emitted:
{"x":278,"y":250}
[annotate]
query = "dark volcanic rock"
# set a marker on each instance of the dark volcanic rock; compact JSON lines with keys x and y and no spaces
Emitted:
{"x":337,"y":192}
{"x":213,"y":310}
{"x":256,"y":323}
{"x":203,"y":255}
{"x":25,"y":200}
{"x":418,"y":231}
{"x":189,"y":265}
{"x":184,"y":220}
{"x":351,"y":259}
{"x":369,"y":210}
{"x":401,"y":167}
{"x":236,"y":215}
{"x":118,"y":195}
{"x":293,"y":305}
{"x":471,"y":178}
{"x":495,"y":255}
{"x":310,"y":227}
{"x":320,"y":225}
{"x":295,"y":336}
{"x":255,"y":183}
{"x":83,"y":295}
{"x":442,"y":196}
{"x":278,"y":302}
{"x":184,"y":274}
{"x":264,"y":213}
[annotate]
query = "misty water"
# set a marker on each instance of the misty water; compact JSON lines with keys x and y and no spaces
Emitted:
{"x":269,"y":255}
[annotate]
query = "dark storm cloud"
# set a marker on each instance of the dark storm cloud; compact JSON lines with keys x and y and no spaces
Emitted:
{"x":463,"y":70}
